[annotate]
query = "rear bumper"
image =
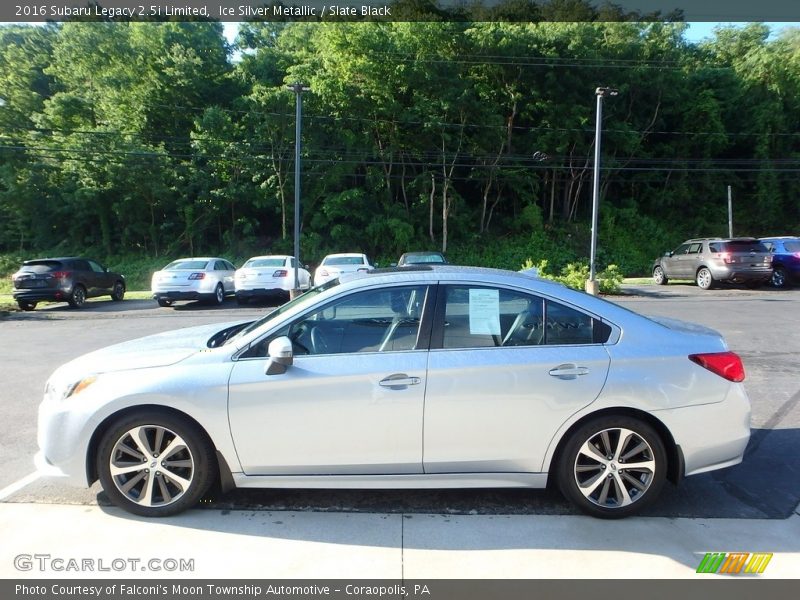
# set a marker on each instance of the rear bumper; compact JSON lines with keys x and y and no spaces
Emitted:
{"x":261,"y":293}
{"x":193,"y":295}
{"x":37,"y":295}
{"x":742,"y":275}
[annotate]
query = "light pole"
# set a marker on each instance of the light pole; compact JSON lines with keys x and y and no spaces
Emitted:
{"x":592,"y":286}
{"x":298,"y":89}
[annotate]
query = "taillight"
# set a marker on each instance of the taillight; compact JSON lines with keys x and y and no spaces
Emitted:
{"x":724,"y":364}
{"x":280,"y":273}
{"x":194,"y":276}
{"x":726,"y":257}
{"x":61,"y":274}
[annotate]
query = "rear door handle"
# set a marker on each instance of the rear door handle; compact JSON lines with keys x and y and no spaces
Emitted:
{"x":568,"y":371}
{"x":398,"y":380}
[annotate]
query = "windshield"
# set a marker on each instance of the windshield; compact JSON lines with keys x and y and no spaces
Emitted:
{"x":792,"y":246}
{"x":303,"y":298}
{"x":264,"y":262}
{"x":424,"y":258}
{"x":343,"y":260}
{"x":189,"y":265}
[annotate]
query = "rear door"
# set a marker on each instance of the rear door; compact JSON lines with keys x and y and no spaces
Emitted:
{"x":506,"y":370}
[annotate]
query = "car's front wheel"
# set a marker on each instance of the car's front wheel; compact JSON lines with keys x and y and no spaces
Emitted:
{"x":659,"y":277}
{"x":164,"y":302}
{"x":705,"y":280}
{"x":612,"y":467}
{"x":118,"y":293}
{"x":155,"y":464}
{"x":26,"y":304}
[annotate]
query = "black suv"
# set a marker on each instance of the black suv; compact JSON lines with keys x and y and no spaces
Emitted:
{"x":68,"y":279}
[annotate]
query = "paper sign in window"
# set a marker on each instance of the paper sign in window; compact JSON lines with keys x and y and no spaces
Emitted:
{"x":484,"y":312}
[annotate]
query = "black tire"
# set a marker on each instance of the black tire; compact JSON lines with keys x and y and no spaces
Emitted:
{"x":779,"y":279}
{"x":219,"y":295}
{"x":78,"y":297}
{"x":704,"y":278}
{"x":118,"y":292}
{"x":164,"y":302}
{"x":26,"y":305}
{"x":659,"y":277}
{"x":193,"y":461}
{"x":622,"y":436}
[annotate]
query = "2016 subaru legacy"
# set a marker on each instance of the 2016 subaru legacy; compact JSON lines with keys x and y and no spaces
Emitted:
{"x":422,"y":377}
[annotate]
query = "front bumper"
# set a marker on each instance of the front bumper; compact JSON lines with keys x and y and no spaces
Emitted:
{"x":260,"y":293}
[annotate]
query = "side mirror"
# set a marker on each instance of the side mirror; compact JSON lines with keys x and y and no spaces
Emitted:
{"x":280,"y":356}
{"x":392,"y":264}
{"x":668,"y":253}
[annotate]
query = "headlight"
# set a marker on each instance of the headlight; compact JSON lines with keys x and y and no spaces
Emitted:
{"x":79,"y":386}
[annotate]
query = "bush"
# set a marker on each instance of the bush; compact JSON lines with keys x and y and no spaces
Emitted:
{"x":575,"y":275}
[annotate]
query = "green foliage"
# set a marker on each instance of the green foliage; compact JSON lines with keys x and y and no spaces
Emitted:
{"x":575,"y":275}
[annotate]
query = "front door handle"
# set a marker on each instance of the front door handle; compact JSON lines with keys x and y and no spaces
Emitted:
{"x":568,"y":371}
{"x":398,"y":381}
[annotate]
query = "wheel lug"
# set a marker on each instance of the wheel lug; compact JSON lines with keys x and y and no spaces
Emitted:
{"x":163,"y":464}
{"x":155,"y":455}
{"x":158,"y":473}
{"x":603,"y":467}
{"x":147,"y":470}
{"x":610,"y":476}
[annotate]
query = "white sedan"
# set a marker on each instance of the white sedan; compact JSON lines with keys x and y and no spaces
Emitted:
{"x":334,"y":265}
{"x":205,"y":278}
{"x":435,"y":377}
{"x":265,"y":276}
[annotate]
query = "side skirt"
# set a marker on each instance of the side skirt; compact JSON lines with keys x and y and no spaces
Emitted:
{"x":421,"y":481}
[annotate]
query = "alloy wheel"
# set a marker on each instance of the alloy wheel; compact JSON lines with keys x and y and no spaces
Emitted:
{"x":151,"y":466}
{"x":614,"y":468}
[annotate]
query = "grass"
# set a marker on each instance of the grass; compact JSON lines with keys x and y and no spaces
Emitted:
{"x":638,"y":280}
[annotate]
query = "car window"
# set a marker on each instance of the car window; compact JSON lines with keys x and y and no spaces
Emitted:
{"x":42,"y":266}
{"x":95,"y":267}
{"x":481,"y":317}
{"x":229,"y":266}
{"x":791,"y":246}
{"x":343,"y":260}
{"x":186,"y":265}
{"x":681,"y":249}
{"x":383,"y":320}
{"x":220,"y":266}
{"x":81,"y":265}
{"x":694,"y":248}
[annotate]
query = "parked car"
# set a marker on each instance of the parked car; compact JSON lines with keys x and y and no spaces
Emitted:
{"x":421,"y":258}
{"x":712,"y":260}
{"x":207,"y":278}
{"x":265,"y":276}
{"x":334,"y":265}
{"x":785,"y":252}
{"x":71,"y":279}
{"x":404,"y":378}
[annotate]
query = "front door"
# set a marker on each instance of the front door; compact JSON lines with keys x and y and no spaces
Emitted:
{"x":352,"y":402}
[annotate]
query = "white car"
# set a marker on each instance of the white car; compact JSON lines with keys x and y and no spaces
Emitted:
{"x":203,"y":278}
{"x":432,"y":377}
{"x":264,"y":276}
{"x":334,"y":265}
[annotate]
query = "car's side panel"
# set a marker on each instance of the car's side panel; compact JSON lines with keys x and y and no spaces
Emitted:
{"x":329,"y":415}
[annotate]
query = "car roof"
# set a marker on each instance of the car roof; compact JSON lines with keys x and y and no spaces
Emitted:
{"x":57,"y":258}
{"x":206,"y":258}
{"x":283,"y":256}
{"x":779,"y":237}
{"x":343,"y":254}
{"x":423,"y":252}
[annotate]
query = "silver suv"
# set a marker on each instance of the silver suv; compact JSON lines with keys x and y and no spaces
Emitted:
{"x":712,"y":260}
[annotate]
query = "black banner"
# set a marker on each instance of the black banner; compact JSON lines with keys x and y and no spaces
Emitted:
{"x":401,"y":10}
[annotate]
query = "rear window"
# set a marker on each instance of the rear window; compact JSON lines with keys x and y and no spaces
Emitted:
{"x":425,"y":258}
{"x":265,"y":262}
{"x":343,"y":260}
{"x":738,"y":246}
{"x":186,"y":265}
{"x":41,"y":266}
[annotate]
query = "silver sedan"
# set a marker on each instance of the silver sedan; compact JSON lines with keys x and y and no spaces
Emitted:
{"x":437,"y":377}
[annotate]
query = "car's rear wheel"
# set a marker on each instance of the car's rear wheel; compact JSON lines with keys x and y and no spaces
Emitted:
{"x":705,"y":280}
{"x":26,"y":304}
{"x":78,"y":297}
{"x":118,"y":292}
{"x":164,"y":302}
{"x":219,"y":295}
{"x":659,"y":277}
{"x":155,"y":464}
{"x":778,"y":279}
{"x":612,"y":467}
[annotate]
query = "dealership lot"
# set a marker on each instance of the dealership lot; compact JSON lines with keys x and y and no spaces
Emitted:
{"x":756,"y":324}
{"x":413,"y":534}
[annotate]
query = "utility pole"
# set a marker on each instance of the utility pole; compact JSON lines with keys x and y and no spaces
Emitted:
{"x":592,"y":286}
{"x":730,"y":213}
{"x":298,"y":89}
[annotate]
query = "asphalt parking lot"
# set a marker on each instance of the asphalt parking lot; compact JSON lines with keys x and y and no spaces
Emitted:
{"x":760,"y":325}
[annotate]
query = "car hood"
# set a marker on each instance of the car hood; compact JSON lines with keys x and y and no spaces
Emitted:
{"x":157,"y":350}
